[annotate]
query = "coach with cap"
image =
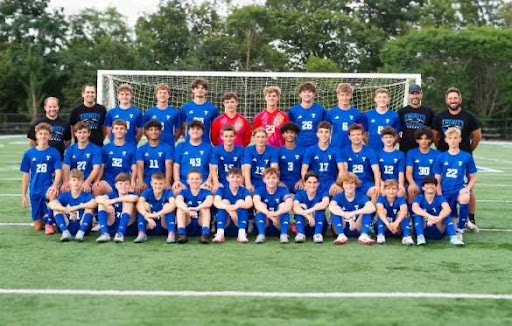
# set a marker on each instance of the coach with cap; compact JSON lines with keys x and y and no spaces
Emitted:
{"x":413,"y":117}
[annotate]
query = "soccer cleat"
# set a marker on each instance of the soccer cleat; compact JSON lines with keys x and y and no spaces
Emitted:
{"x":118,"y":238}
{"x":340,"y":240}
{"x":80,"y":236}
{"x":219,"y":239}
{"x":472,"y":226}
{"x":408,"y":241}
{"x":460,"y":235}
{"x":182,"y":239}
{"x":454,"y":240}
{"x":204,"y":239}
{"x":171,"y":238}
{"x":66,"y":236}
{"x":365,"y":239}
{"x":283,"y":238}
{"x":95,"y":227}
{"x":49,"y":229}
{"x":300,"y":238}
{"x":318,"y":238}
{"x":242,"y":238}
{"x":381,"y":239}
{"x":104,"y":237}
{"x":420,"y":240}
{"x":260,"y":238}
{"x":141,"y":238}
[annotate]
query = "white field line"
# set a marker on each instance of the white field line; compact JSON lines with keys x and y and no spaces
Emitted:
{"x":240,"y":294}
{"x":493,"y":160}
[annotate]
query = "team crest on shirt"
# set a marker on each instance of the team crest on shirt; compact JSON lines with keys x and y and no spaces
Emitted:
{"x":277,"y":200}
{"x":201,"y":152}
{"x":387,"y":120}
{"x":356,"y":206}
{"x":266,"y":162}
{"x":87,"y":155}
{"x":205,"y":112}
{"x":297,"y":157}
{"x":124,"y":153}
{"x":351,"y":117}
{"x":313,"y":115}
{"x":460,"y":163}
{"x":266,"y":200}
{"x":395,"y":160}
{"x":364,"y":159}
{"x":168,"y":117}
{"x":238,"y":125}
{"x":147,"y":154}
{"x":329,"y":156}
{"x":430,"y":161}
{"x":277,"y":121}
{"x":131,"y":116}
{"x":235,"y":159}
{"x":160,"y":154}
{"x":433,"y":210}
{"x":395,"y":210}
{"x":34,"y":159}
{"x":48,"y":157}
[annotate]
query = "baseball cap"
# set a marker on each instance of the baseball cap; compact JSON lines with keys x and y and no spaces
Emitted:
{"x":414,"y":88}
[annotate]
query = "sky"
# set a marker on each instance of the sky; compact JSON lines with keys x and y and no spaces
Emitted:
{"x":132,"y":9}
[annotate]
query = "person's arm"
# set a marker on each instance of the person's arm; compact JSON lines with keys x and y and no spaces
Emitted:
{"x":368,"y":208}
{"x":437,"y":137}
{"x":167,"y":208}
{"x":401,"y":181}
{"x":220,"y":203}
{"x":470,"y":185}
{"x":297,"y":209}
{"x":92,"y":177}
{"x":25,"y":179}
{"x":260,"y":206}
{"x":177,"y":180}
{"x":123,"y":199}
{"x":382,"y":213}
{"x":439,"y":188}
{"x":138,"y":136}
{"x":402,"y":214}
{"x":180,"y":203}
{"x":304,"y":170}
{"x":57,"y":181}
{"x":168,"y":174}
{"x":141,"y":208}
{"x":108,"y":132}
{"x":476,"y":137}
{"x":409,"y":176}
{"x":207,"y":203}
{"x":214,"y":174}
{"x":65,"y":176}
{"x":285,"y":207}
{"x":246,"y":172}
{"x":335,"y":209}
{"x":376,"y":176}
{"x":244,"y":203}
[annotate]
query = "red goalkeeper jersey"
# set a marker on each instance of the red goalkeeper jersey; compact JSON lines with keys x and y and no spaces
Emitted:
{"x":242,"y":129}
{"x":272,"y":122}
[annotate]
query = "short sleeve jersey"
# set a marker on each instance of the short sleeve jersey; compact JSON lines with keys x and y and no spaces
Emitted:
{"x":346,"y":205}
{"x":453,"y":169}
{"x":341,"y":120}
{"x":241,"y":125}
{"x":67,"y":199}
{"x":227,"y":194}
{"x":433,"y":208}
{"x":303,"y":198}
{"x":225,"y":161}
{"x":155,"y":203}
{"x":464,"y":120}
{"x":191,"y":157}
{"x":392,"y":209}
{"x":307,"y":120}
{"x":374,"y":122}
{"x":170,"y":118}
{"x":421,"y":164}
{"x":391,"y":164}
{"x":259,"y":162}
{"x":154,"y":159}
{"x":272,"y":123}
{"x":83,"y":159}
{"x":324,"y":163}
{"x":118,"y":207}
{"x":290,"y":165}
{"x":206,"y":113}
{"x":273,"y":200}
{"x":361,"y":163}
{"x":94,"y":117}
{"x":41,"y":165}
{"x":133,"y":118}
{"x":117,"y":159}
{"x":195,"y":200}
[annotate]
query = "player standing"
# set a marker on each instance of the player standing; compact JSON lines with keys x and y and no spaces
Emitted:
{"x":127,"y":112}
{"x":257,"y":158}
{"x":272,"y":118}
{"x":231,"y":117}
{"x":290,"y":158}
{"x":224,"y":158}
{"x":391,"y":161}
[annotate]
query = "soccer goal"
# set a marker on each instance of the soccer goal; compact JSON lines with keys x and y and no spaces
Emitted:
{"x":249,"y":87}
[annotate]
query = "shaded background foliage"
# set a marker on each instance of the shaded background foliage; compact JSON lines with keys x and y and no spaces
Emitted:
{"x":462,"y":43}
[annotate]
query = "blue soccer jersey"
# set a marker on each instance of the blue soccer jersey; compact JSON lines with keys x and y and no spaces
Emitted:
{"x":227,"y":194}
{"x":341,"y":120}
{"x":290,"y":164}
{"x":117,"y":159}
{"x":118,"y":207}
{"x":433,"y":208}
{"x":273,"y":200}
{"x":154,"y":159}
{"x":259,"y":162}
{"x":324,"y":163}
{"x":155,"y":203}
{"x":67,"y":199}
{"x":303,"y":198}
{"x":195,"y":200}
{"x":391,"y":164}
{"x":422,"y":164}
{"x":83,"y":159}
{"x":133,"y":118}
{"x":225,"y":161}
{"x":453,"y":169}
{"x":191,"y":157}
{"x":374,"y":122}
{"x":206,"y":113}
{"x":361,"y":163}
{"x":307,"y":120}
{"x":41,"y":165}
{"x":346,"y":205}
{"x":170,"y":118}
{"x":392,"y":209}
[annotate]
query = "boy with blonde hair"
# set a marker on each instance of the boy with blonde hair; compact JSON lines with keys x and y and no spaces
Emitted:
{"x":127,"y":112}
{"x":272,"y":118}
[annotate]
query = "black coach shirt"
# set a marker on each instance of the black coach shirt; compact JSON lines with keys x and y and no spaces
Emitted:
{"x":94,"y":116}
{"x":61,"y":132}
{"x":464,"y":120}
{"x":411,"y":120}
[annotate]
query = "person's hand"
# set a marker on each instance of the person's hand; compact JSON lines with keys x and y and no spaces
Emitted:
{"x":24,"y":201}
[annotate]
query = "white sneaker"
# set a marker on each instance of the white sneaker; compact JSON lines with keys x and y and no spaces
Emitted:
{"x":341,"y":239}
{"x":104,"y":237}
{"x":300,"y":238}
{"x":408,"y":241}
{"x":66,"y":236}
{"x":365,"y":239}
{"x":80,"y":236}
{"x":460,"y":235}
{"x":242,"y":238}
{"x":454,"y":240}
{"x":420,"y":240}
{"x":95,"y":227}
{"x":218,"y":238}
{"x":472,"y":226}
{"x":283,"y":238}
{"x":381,"y":239}
{"x":119,"y":238}
{"x":318,"y":238}
{"x":260,"y":238}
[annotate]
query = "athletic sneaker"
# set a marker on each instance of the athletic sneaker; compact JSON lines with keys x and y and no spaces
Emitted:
{"x":454,"y":240}
{"x":341,"y":239}
{"x":381,"y":239}
{"x":472,"y":226}
{"x":260,"y":238}
{"x":95,"y":227}
{"x":318,"y":238}
{"x":80,"y":236}
{"x":219,"y":239}
{"x":365,"y":239}
{"x":104,"y":237}
{"x":182,"y":239}
{"x":460,"y":235}
{"x":283,"y":238}
{"x":119,"y":238}
{"x":66,"y":236}
{"x":408,"y":241}
{"x":49,"y":229}
{"x":141,"y":238}
{"x":420,"y":240}
{"x":242,"y":238}
{"x":171,"y":238}
{"x":204,"y":239}
{"x":300,"y":238}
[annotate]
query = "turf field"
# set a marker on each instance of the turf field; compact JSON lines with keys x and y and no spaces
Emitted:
{"x":270,"y":284}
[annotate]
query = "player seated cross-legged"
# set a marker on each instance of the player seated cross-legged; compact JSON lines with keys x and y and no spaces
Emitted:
{"x":392,"y":213}
{"x":156,"y":207}
{"x":273,"y":205}
{"x":351,"y":212}
{"x":233,"y":203}
{"x":73,"y":210}
{"x":116,"y":211}
{"x":309,"y":206}
{"x":432,"y":218}
{"x":193,"y":209}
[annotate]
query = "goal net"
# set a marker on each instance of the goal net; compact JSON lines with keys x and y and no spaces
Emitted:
{"x":249,"y":87}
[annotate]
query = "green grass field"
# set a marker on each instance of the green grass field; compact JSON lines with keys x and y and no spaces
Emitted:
{"x":34,"y":261}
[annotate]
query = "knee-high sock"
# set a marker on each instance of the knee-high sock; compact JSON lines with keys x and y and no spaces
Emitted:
{"x":450,"y":227}
{"x":367,"y":223}
{"x":61,"y":222}
{"x":300,"y":222}
{"x":50,"y":219}
{"x":170,"y":221}
{"x":221,"y":219}
{"x":141,"y":223}
{"x":243,"y":217}
{"x":338,"y":224}
{"x":123,"y":223}
{"x":284,"y":220}
{"x":86,"y":222}
{"x":419,"y":224}
{"x":319,"y":222}
{"x":261,"y":223}
{"x":406,"y":227}
{"x":103,"y":220}
{"x":381,"y":227}
{"x":463,"y":216}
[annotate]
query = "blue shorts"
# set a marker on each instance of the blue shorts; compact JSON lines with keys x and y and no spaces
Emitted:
{"x":38,"y":207}
{"x":433,"y":233}
{"x":351,"y":233}
{"x":365,"y":186}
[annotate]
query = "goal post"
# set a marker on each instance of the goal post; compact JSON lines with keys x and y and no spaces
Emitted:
{"x":249,"y":87}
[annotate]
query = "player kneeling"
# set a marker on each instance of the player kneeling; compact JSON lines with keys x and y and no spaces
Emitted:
{"x":392,"y":213}
{"x":432,"y":218}
{"x":116,"y":213}
{"x":73,"y":210}
{"x":156,"y":207}
{"x":233,"y":203}
{"x":193,"y":211}
{"x":309,"y":207}
{"x":351,"y":212}
{"x":273,"y":205}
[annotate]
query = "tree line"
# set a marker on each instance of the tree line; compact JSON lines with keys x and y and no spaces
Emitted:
{"x":462,"y":43}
